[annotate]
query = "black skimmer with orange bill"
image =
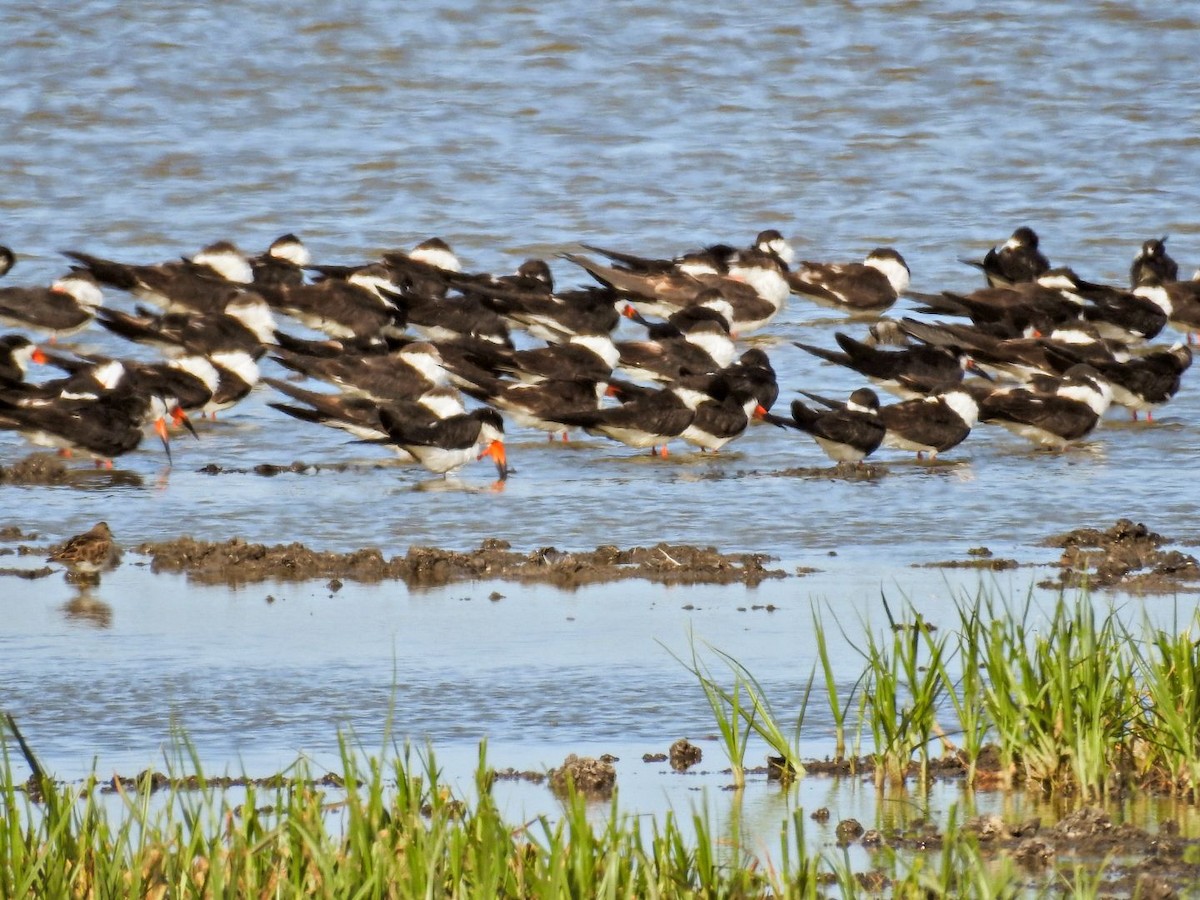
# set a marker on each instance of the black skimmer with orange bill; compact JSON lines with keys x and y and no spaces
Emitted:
{"x":846,"y":435}
{"x":16,"y":353}
{"x":190,"y":380}
{"x":1020,"y":358}
{"x":65,"y":307}
{"x":205,"y":283}
{"x":446,"y":445}
{"x":719,"y":420}
{"x":867,"y":287}
{"x":1052,"y":419}
{"x":1019,"y":260}
{"x":1153,"y":264}
{"x":104,"y":426}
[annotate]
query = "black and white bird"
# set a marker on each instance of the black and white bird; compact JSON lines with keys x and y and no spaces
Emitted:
{"x":445,"y":445}
{"x":16,"y":353}
{"x":867,"y":287}
{"x":64,"y":308}
{"x":647,"y":420}
{"x":1153,"y":264}
{"x":932,"y":424}
{"x":907,"y":372}
{"x":1052,"y":419}
{"x":205,"y":283}
{"x":847,"y":435}
{"x":1019,"y":260}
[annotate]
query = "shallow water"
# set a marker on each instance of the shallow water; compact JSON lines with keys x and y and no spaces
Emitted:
{"x":145,"y":131}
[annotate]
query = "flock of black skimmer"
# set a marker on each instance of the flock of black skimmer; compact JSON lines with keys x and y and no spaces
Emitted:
{"x":412,"y":352}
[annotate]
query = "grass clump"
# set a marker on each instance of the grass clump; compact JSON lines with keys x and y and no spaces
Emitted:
{"x":382,"y":828}
{"x":1070,"y":700}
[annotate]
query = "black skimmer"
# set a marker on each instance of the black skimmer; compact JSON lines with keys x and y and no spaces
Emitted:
{"x":205,"y":283}
{"x":704,"y":348}
{"x":1139,"y":383}
{"x":283,"y":263}
{"x":870,"y":286}
{"x":1016,"y":262}
{"x":402,"y":374}
{"x":1119,"y":315}
{"x":755,"y":287}
{"x":245,"y":323}
{"x":907,"y":372}
{"x":714,"y":258}
{"x":1020,"y":358}
{"x":190,"y":380}
{"x":751,"y":375}
{"x":1153,"y":264}
{"x":542,"y":404}
{"x":88,"y":555}
{"x":104,"y":426}
{"x":709,"y":307}
{"x":1180,"y":300}
{"x":455,"y":317}
{"x":554,"y":318}
{"x":932,"y":424}
{"x":772,"y":241}
{"x":1052,"y":420}
{"x":445,"y":445}
{"x":16,"y":353}
{"x":8,"y":259}
{"x":360,"y":416}
{"x":423,"y":273}
{"x":360,"y":306}
{"x":648,"y":419}
{"x":588,"y":355}
{"x":846,"y":435}
{"x":1053,"y":297}
{"x":717,"y":421}
{"x":66,"y":307}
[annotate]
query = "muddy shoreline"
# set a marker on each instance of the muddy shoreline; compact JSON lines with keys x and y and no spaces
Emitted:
{"x":1125,"y":556}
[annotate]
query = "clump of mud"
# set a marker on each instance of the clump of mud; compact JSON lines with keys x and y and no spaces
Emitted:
{"x":237,"y":562}
{"x":1127,"y":555}
{"x":590,"y":776}
{"x":840,"y":472}
{"x":684,"y":754}
{"x":36,"y":468}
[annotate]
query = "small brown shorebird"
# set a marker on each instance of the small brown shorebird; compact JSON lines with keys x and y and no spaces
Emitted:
{"x":87,"y":555}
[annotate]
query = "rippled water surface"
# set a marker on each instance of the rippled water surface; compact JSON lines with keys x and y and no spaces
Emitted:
{"x":144,"y":131}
